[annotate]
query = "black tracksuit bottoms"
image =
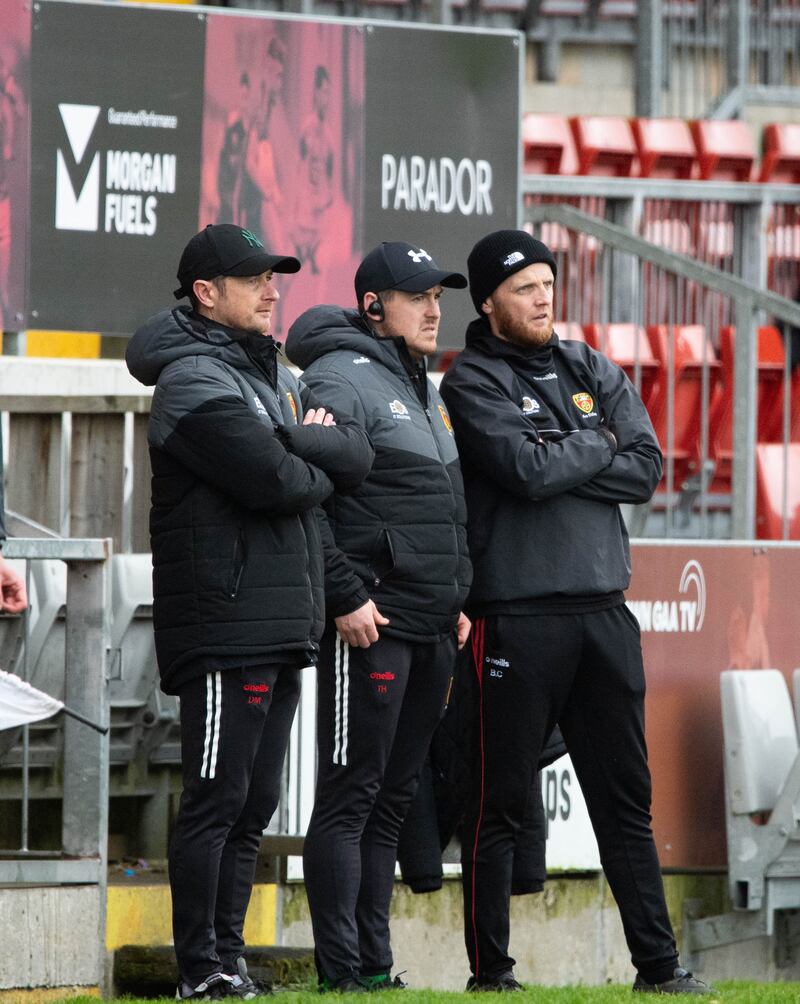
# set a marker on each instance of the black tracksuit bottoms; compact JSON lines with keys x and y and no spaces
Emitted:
{"x":235,"y":726}
{"x":584,"y":672}
{"x":376,"y":712}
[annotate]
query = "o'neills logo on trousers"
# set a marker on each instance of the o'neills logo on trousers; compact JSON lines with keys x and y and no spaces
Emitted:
{"x":381,"y":676}
{"x":436,"y":185}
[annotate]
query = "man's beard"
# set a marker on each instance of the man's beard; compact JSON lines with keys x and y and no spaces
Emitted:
{"x":519,"y":333}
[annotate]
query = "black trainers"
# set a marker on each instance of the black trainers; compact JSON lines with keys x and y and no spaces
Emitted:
{"x":213,"y":988}
{"x":682,"y":982}
{"x":244,"y":987}
{"x":502,"y":983}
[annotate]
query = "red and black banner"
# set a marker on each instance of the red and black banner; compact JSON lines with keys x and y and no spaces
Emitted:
{"x":15,"y":82}
{"x":323,"y":137}
{"x":115,"y":155}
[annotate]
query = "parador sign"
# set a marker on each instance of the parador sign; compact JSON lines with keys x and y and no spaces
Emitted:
{"x":310,"y":133}
{"x":436,"y":185}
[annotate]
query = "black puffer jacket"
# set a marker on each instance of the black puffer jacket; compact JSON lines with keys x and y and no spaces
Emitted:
{"x":402,"y":531}
{"x":235,"y":524}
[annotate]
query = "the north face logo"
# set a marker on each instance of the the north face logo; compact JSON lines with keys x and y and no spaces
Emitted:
{"x":513,"y":258}
{"x":77,"y":185}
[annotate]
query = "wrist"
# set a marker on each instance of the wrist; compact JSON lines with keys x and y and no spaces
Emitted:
{"x":609,"y":437}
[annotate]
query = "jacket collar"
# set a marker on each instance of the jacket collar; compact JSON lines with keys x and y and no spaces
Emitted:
{"x":261,"y":350}
{"x":538,"y":358}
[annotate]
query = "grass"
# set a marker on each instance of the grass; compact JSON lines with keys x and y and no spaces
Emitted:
{"x":728,"y":993}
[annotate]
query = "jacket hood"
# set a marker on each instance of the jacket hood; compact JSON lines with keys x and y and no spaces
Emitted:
{"x":177,"y":333}
{"x":326,"y":329}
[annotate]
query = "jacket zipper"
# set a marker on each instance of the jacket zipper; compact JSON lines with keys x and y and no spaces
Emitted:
{"x":427,"y":411}
{"x":238,"y":564}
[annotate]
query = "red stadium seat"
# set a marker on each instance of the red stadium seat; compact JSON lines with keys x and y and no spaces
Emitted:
{"x":547,"y":144}
{"x":770,"y":397}
{"x":627,"y":345}
{"x":771,"y":366}
{"x":725,"y":150}
{"x":668,"y":232}
{"x":605,"y":145}
{"x":570,"y":331}
{"x":781,"y":161}
{"x":783,"y":250}
{"x":692,"y":352}
{"x":783,"y":241}
{"x":771,"y":469}
{"x":716,"y":232}
{"x":665,"y":148}
{"x":794,"y":433}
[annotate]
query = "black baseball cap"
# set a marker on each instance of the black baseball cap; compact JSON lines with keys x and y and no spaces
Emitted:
{"x":398,"y":265}
{"x":225,"y":249}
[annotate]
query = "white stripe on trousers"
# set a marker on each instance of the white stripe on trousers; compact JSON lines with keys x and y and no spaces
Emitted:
{"x":341,"y":669}
{"x":213,"y":724}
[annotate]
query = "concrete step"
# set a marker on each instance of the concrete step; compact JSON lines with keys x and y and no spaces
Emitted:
{"x":150,"y":970}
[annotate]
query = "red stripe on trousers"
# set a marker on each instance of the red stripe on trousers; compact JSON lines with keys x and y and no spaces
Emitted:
{"x":478,"y":630}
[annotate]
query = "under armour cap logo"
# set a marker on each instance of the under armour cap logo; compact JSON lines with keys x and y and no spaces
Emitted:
{"x":251,"y":239}
{"x":513,"y":258}
{"x":417,"y":256}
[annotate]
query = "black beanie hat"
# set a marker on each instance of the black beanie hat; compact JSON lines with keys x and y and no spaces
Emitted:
{"x":500,"y":254}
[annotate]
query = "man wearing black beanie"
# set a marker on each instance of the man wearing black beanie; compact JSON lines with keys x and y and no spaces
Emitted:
{"x":552,"y":438}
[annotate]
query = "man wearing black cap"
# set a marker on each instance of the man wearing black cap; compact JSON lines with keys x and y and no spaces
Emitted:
{"x":242,"y":457}
{"x":394,"y":601}
{"x":552,"y":437}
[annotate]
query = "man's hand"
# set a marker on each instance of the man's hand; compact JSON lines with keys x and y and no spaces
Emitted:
{"x":463,"y":629}
{"x":360,"y":628}
{"x":608,"y":435}
{"x":13,"y":597}
{"x":318,"y":416}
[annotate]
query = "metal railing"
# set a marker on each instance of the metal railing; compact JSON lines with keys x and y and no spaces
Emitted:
{"x":82,"y":856}
{"x":711,"y":58}
{"x":78,"y":464}
{"x":609,"y":272}
{"x":693,"y":58}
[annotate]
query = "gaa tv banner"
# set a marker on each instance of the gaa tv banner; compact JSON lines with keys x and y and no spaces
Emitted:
{"x":323,"y":137}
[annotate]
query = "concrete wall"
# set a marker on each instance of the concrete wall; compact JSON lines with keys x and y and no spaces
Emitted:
{"x":599,"y":79}
{"x":49,"y":937}
{"x":592,"y":80}
{"x":570,"y":933}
